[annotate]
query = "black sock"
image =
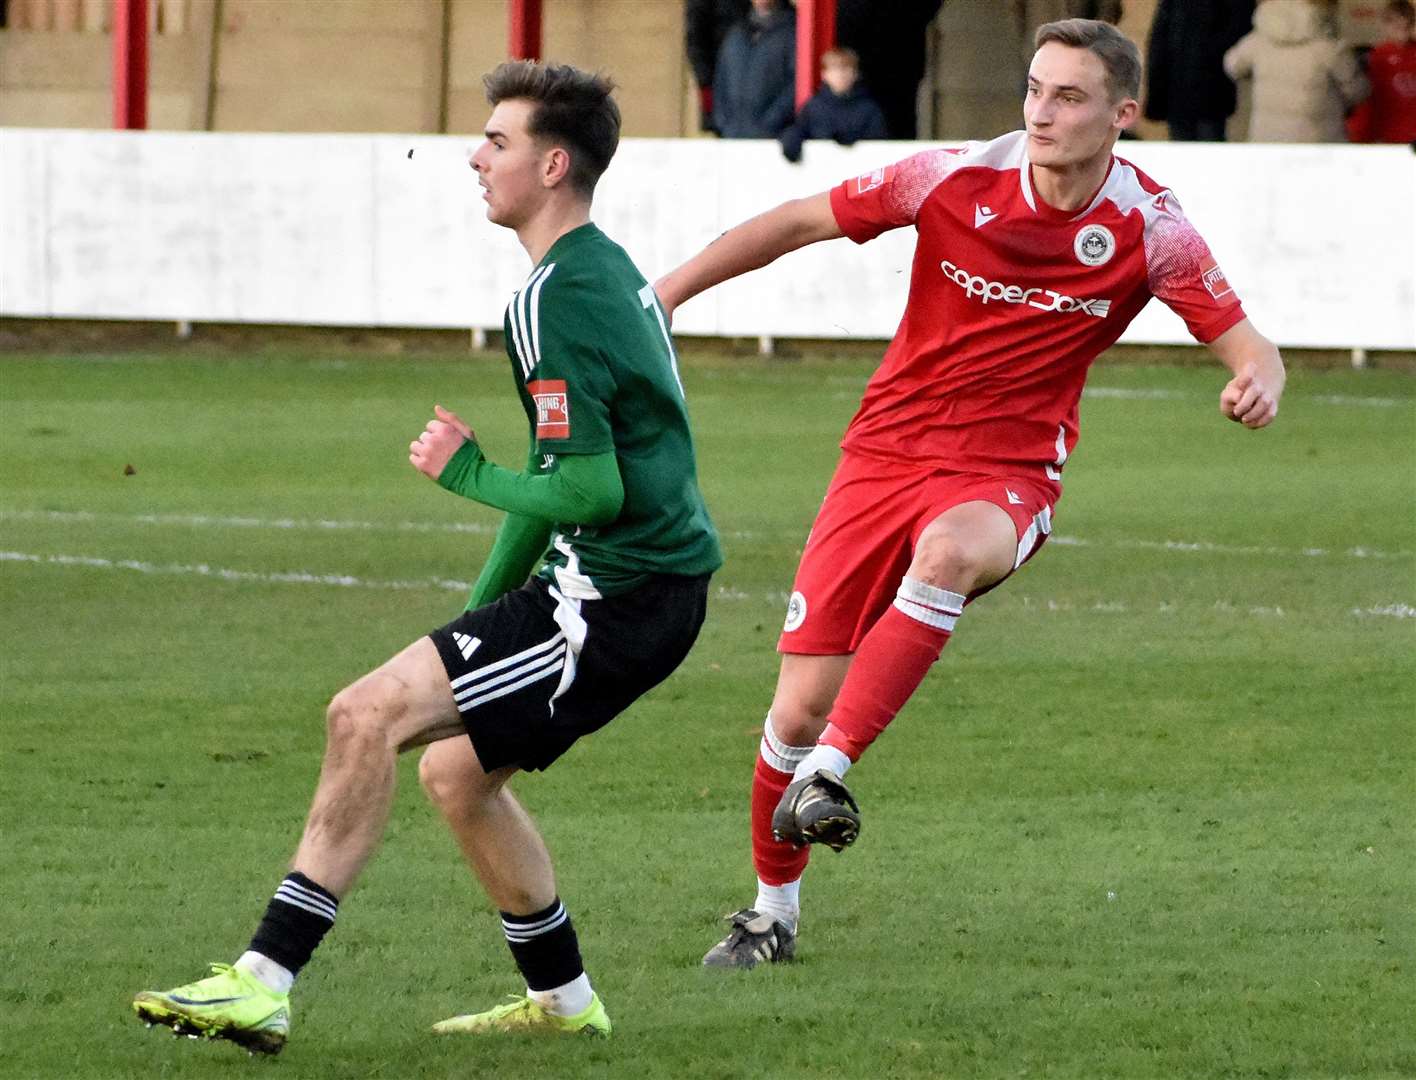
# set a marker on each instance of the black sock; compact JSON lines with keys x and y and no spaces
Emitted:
{"x":296,"y":919}
{"x":544,"y":946}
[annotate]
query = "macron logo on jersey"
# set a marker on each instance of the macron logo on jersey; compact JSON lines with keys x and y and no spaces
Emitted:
{"x":552,"y":408}
{"x":983,"y":215}
{"x":1042,"y":299}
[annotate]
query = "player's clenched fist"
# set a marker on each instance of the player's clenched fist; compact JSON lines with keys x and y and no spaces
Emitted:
{"x":1251,"y":400}
{"x":430,"y":452}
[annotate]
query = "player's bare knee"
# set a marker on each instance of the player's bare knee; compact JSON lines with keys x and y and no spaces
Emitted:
{"x":435,"y":778}
{"x":452,"y":783}
{"x":361,"y":717}
{"x":798,"y":721}
{"x":941,"y":560}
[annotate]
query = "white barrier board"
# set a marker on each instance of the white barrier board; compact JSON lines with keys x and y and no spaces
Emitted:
{"x":1320,"y":242}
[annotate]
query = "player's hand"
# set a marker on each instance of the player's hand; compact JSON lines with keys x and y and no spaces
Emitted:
{"x":1251,"y":398}
{"x":442,"y":438}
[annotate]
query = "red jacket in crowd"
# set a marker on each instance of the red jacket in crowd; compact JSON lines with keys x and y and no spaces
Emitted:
{"x":1389,"y":115}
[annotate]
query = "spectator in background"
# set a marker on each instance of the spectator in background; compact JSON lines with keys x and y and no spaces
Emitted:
{"x":1028,"y":15}
{"x":889,"y":38}
{"x":841,"y":109}
{"x":1185,"y":81}
{"x":754,"y":87}
{"x":1389,"y":115}
{"x":1305,"y":80}
{"x":705,"y":24}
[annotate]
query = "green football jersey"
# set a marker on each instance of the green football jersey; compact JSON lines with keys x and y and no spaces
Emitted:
{"x":596,"y":371}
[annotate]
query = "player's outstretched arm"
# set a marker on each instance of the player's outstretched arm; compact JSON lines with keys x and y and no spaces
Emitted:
{"x":1251,"y":397}
{"x":586,"y":489}
{"x":753,"y":244}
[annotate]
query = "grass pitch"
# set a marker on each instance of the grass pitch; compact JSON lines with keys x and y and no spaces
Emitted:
{"x":1150,"y":817}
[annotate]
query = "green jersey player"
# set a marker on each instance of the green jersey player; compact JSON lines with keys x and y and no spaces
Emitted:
{"x":608,"y":506}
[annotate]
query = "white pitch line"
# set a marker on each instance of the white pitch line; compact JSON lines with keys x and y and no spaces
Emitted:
{"x":723,"y":592}
{"x":294,"y":577}
{"x":72,"y":517}
{"x":335,"y":525}
{"x":242,"y":522}
{"x":1387,"y":611}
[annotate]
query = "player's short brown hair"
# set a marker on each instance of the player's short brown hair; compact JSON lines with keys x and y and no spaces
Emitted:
{"x":1117,"y":53}
{"x":573,"y":109}
{"x":841,"y":55}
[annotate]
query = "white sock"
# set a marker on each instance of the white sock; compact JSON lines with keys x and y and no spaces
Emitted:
{"x":277,"y":978}
{"x":822,"y":757}
{"x":782,"y":902}
{"x":568,"y":1000}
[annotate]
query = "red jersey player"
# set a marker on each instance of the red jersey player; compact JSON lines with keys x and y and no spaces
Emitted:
{"x":1034,"y":252}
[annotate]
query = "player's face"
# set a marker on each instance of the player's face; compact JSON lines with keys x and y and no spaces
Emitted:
{"x":511,"y":165}
{"x":1070,"y":116}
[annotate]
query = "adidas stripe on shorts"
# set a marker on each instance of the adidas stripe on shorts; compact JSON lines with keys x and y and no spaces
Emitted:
{"x":535,"y":670}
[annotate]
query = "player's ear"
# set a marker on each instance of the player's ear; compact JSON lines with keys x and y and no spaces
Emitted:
{"x":555,"y":166}
{"x":1128,"y":110}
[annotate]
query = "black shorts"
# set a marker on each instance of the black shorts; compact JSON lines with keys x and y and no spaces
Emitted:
{"x":534,"y":671}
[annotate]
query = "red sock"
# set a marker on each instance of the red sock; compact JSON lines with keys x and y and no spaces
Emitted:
{"x":892,"y":661}
{"x":776,"y":862}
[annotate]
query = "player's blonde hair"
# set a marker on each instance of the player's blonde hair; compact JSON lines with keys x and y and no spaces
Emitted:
{"x":1118,"y":53}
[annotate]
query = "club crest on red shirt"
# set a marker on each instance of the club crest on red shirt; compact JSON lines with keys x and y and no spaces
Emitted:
{"x":1094,"y":245}
{"x":552,"y":408}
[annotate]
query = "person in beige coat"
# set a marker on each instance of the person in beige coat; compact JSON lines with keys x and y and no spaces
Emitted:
{"x":1305,"y":79}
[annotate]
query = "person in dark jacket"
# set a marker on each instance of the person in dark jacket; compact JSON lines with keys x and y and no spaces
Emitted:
{"x":889,"y":37}
{"x":705,"y":24}
{"x":1185,"y":81}
{"x":754,"y":88}
{"x":841,"y":109}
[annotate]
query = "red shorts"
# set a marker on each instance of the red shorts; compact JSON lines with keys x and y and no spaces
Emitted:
{"x":864,"y":537}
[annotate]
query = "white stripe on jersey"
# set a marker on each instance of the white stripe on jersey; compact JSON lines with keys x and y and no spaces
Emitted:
{"x":535,"y":307}
{"x":520,"y":335}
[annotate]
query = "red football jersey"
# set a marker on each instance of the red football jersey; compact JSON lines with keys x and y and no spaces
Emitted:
{"x":1011,"y":300}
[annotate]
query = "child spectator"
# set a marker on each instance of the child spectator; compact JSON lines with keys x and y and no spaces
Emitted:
{"x":1305,"y":80}
{"x":841,"y":109}
{"x":1389,"y":115}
